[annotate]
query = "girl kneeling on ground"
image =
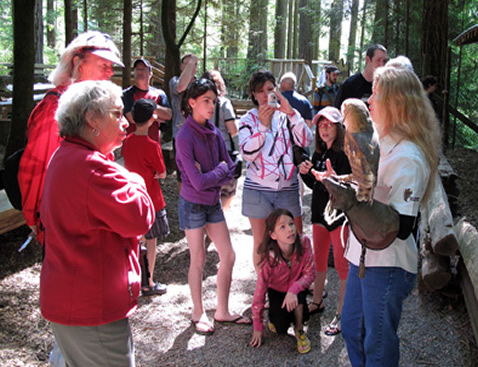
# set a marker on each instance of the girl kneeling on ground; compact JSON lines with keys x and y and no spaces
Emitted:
{"x":286,"y":270}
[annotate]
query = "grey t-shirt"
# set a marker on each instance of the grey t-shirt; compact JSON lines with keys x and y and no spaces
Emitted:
{"x":176,"y":98}
{"x":226,"y":113}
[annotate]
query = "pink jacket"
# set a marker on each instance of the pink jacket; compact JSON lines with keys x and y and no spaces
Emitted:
{"x":281,"y":278}
{"x":93,"y":211}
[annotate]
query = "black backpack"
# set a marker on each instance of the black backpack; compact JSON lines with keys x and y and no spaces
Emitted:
{"x":10,"y":173}
{"x":10,"y":178}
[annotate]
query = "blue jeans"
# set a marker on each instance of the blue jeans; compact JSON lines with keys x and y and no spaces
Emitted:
{"x":371,"y":314}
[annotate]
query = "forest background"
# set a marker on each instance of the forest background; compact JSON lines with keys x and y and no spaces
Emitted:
{"x":240,"y":36}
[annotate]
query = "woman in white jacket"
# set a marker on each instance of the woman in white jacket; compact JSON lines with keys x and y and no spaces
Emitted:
{"x":266,"y":146}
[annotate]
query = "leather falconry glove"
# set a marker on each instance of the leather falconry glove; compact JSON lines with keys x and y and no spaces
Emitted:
{"x":375,"y":225}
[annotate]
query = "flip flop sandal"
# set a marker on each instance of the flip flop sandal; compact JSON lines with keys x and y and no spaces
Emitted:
{"x":200,"y":330}
{"x":334,"y":326}
{"x":239,"y":320}
{"x":319,"y":307}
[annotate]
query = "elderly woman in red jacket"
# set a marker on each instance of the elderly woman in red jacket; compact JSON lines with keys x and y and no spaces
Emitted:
{"x":93,"y":212}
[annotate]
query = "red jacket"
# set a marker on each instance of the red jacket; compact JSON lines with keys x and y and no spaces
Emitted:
{"x":93,"y":211}
{"x":43,"y":139}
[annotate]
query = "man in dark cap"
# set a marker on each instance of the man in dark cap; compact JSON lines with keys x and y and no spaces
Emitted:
{"x":324,"y":95}
{"x":141,"y":89}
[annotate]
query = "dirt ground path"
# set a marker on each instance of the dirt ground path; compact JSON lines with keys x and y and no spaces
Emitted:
{"x":434,"y":331}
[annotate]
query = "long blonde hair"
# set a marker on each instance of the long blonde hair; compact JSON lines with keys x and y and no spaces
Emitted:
{"x":408,"y":113}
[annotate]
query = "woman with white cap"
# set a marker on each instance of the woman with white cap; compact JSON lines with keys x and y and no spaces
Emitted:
{"x":90,"y":56}
{"x":329,"y":145}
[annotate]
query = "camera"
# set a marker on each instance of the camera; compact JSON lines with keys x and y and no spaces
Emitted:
{"x":272,"y":100}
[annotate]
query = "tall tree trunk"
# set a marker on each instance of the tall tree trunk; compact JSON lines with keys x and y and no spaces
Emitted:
{"x":50,"y":24}
{"x":407,"y":24}
{"x":229,"y":19}
{"x":85,"y":15}
{"x":38,"y":31}
{"x":336,"y":15}
{"x":74,"y":18}
{"x":23,"y":61}
{"x":397,"y":18}
{"x":380,"y":28}
{"x":280,"y":29}
{"x":305,"y":32}
{"x":156,"y":45}
{"x":68,"y":23}
{"x":434,"y":40}
{"x":127,"y":20}
{"x":352,"y":34}
{"x":257,"y":49}
{"x":362,"y":32}
{"x":295,"y":44}
{"x":168,"y":22}
{"x":290,"y":29}
{"x":141,"y":29}
{"x":316,"y":22}
{"x":204,"y":48}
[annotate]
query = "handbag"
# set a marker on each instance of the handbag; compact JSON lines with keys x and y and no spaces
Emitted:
{"x":233,"y":153}
{"x":300,"y":154}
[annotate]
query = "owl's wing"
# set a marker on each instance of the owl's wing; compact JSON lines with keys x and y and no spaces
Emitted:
{"x":363,"y":153}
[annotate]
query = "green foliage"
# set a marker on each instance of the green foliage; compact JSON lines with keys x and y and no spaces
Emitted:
{"x":463,"y":86}
{"x":6,"y":32}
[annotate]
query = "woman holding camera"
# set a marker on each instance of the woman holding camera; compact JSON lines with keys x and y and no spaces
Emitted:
{"x":266,"y":145}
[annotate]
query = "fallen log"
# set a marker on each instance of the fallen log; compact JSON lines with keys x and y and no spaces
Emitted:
{"x":468,"y":246}
{"x":438,"y":221}
{"x":435,"y":270}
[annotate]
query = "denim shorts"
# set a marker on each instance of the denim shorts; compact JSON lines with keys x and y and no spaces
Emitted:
{"x":193,"y":216}
{"x":259,"y":204}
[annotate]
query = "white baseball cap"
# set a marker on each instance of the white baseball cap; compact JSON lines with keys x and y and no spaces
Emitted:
{"x":330,"y":113}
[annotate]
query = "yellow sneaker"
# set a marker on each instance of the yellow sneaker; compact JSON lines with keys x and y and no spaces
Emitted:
{"x":303,"y":342}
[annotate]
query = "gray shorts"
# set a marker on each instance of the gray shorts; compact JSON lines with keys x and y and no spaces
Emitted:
{"x":104,"y":345}
{"x":259,"y":204}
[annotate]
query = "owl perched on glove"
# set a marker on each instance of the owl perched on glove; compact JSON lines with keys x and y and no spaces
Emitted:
{"x":361,"y":145}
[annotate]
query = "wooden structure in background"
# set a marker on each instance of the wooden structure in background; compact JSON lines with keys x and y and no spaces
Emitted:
{"x":10,"y":218}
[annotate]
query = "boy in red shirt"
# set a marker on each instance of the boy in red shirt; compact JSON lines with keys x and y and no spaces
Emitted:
{"x":144,"y":156}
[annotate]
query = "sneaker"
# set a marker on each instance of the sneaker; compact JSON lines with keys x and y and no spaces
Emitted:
{"x":155,"y":290}
{"x":303,"y":342}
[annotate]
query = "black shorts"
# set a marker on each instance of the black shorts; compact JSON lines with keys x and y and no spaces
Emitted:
{"x":280,"y":317}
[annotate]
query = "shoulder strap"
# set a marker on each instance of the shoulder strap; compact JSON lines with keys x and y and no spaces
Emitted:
{"x":52,"y":92}
{"x":216,"y":122}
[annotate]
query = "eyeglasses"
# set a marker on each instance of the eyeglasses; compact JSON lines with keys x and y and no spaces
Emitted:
{"x":326,"y":125}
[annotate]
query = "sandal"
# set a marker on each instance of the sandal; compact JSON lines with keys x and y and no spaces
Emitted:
{"x":334,"y":326}
{"x":202,"y":326}
{"x":319,"y":307}
{"x":303,"y":342}
{"x":156,"y":290}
